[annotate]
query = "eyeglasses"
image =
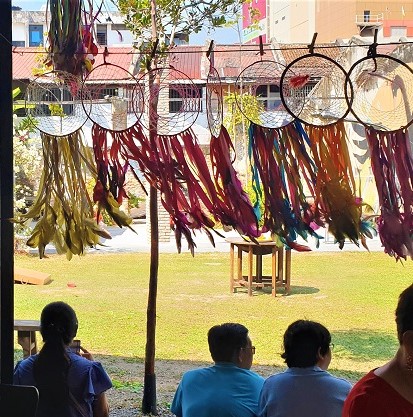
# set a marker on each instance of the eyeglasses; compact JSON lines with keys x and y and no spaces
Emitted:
{"x":252,"y":348}
{"x":331,"y":346}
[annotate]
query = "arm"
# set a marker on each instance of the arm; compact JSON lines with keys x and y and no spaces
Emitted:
{"x":101,"y":406}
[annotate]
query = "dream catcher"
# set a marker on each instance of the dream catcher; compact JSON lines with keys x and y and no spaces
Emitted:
{"x":232,"y":206}
{"x":280,"y":167}
{"x":379,"y":90}
{"x":260,"y":82}
{"x":170,"y":101}
{"x":383,"y":87}
{"x":62,"y":209}
{"x":313,"y":91}
{"x":111,"y":93}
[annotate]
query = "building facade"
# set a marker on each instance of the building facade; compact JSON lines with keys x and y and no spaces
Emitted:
{"x":289,"y":21}
{"x":29,"y":29}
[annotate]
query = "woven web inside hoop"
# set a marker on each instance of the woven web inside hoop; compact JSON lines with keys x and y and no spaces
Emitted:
{"x":262,"y":79}
{"x":178,"y":101}
{"x":214,"y":102}
{"x":312,"y":90}
{"x":110,"y":92}
{"x":382,"y":92}
{"x":54,"y":102}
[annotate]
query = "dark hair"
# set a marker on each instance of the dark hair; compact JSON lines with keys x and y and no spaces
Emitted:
{"x":302,"y":340}
{"x":404,"y":312}
{"x":58,"y":326}
{"x":225,"y":341}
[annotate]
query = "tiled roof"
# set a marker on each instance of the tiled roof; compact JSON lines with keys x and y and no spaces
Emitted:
{"x":290,"y":52}
{"x":25,"y":59}
{"x":230,"y":60}
{"x":187,"y":59}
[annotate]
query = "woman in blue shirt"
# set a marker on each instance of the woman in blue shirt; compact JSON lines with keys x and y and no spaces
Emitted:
{"x":70,"y":384}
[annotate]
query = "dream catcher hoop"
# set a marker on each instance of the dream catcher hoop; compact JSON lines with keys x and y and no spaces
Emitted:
{"x":262,"y":79}
{"x":179,"y":100}
{"x":54,"y":103}
{"x":110,"y":92}
{"x":382,"y":92}
{"x":313,"y":90}
{"x":214,"y":97}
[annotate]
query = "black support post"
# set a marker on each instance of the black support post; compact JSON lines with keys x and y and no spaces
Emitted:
{"x":6,"y":196}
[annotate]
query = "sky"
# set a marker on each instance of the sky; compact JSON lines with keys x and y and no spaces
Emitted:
{"x":219,"y":35}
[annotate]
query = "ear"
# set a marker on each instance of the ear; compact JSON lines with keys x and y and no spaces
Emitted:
{"x":407,"y":340}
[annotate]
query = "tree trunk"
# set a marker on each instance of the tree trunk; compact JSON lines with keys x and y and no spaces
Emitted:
{"x":149,"y":389}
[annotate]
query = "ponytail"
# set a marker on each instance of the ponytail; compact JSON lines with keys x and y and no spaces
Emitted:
{"x":51,"y":366}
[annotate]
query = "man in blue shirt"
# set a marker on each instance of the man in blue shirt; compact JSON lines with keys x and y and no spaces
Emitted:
{"x":226,"y":389}
{"x":305,"y":389}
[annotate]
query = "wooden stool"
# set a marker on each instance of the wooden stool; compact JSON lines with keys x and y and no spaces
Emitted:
{"x":281,"y":266}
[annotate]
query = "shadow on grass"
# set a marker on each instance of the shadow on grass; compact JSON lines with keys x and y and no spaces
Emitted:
{"x":294,"y":290}
{"x":364,"y":344}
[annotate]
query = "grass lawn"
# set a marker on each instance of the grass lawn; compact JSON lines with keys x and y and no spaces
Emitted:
{"x":353,"y":293}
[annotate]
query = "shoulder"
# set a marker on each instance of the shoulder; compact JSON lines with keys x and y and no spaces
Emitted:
{"x":26,"y":363}
{"x":364,"y":398}
{"x":341,"y":382}
{"x":85,"y":366}
{"x":23,"y":371}
{"x":276,"y":379}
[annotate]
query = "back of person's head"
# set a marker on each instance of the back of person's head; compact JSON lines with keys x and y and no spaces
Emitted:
{"x":404,"y":312}
{"x":304,"y":341}
{"x":58,"y":323}
{"x":58,"y":326}
{"x":226,"y":340}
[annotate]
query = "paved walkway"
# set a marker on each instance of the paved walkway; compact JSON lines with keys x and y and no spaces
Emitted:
{"x":124,"y":240}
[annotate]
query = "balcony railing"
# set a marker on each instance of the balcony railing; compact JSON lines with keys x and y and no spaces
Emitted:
{"x":369,"y":19}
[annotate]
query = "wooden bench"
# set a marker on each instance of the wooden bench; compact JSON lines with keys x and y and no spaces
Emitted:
{"x":281,"y":266}
{"x":26,"y":335}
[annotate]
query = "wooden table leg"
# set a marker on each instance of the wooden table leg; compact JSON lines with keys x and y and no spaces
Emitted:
{"x":27,"y":340}
{"x":287,"y":270}
{"x":258,"y":268}
{"x":231,"y":272}
{"x":239,"y":264}
{"x":280,"y":274}
{"x":250,"y":261}
{"x":274,"y":270}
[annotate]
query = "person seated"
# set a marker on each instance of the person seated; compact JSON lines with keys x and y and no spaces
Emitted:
{"x":387,"y":391}
{"x":305,"y":389}
{"x":70,"y":384}
{"x":226,"y":389}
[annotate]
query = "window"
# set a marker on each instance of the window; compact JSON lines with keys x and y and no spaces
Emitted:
{"x":102,"y":34}
{"x":192,"y":94}
{"x":269,"y":96}
{"x":367,"y":15}
{"x":35,"y":35}
{"x":52,"y":95}
{"x":19,"y":43}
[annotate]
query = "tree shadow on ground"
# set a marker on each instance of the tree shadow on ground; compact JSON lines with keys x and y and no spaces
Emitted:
{"x":361,"y":345}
